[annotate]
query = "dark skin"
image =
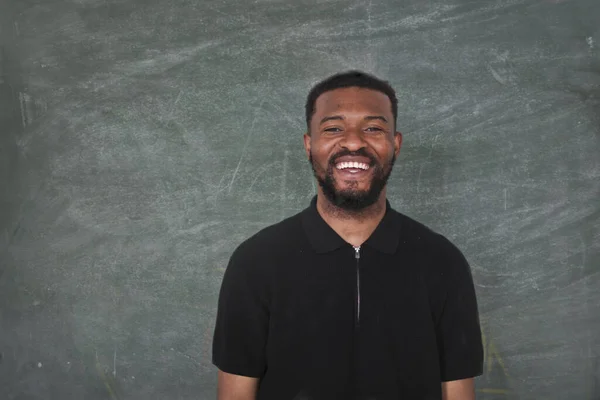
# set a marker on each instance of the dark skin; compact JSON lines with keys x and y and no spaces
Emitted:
{"x":352,"y":118}
{"x":348,"y":118}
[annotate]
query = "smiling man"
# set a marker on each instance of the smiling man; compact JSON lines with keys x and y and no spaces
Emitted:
{"x":348,"y":299}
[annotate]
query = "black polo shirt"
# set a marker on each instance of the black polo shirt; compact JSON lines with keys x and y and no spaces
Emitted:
{"x":315,"y":318}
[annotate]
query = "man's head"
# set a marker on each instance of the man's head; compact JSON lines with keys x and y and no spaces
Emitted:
{"x":351,"y":140}
{"x":348,"y":79}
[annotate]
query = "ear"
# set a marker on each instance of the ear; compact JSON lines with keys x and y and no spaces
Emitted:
{"x":397,"y":143}
{"x":307,"y":139}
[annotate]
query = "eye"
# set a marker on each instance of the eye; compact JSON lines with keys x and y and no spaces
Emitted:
{"x":332,"y":129}
{"x":374,"y":129}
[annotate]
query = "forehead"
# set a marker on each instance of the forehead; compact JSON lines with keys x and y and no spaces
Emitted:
{"x":353,"y":99}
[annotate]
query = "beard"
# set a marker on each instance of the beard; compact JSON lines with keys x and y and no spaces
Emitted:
{"x":353,"y":199}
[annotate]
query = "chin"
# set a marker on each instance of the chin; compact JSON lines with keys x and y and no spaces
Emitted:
{"x":351,"y":193}
{"x":353,"y":188}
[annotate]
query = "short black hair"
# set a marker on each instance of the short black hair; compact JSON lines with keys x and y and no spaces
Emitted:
{"x":353,"y":78}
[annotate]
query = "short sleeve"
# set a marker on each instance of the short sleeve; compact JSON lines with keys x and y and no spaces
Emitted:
{"x":241,"y":327}
{"x":458,"y":330}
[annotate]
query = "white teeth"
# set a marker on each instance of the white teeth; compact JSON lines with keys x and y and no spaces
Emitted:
{"x":355,"y":165}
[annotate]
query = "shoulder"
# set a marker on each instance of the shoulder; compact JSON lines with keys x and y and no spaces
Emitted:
{"x":252,"y":263}
{"x":443,"y":267}
{"x":439,"y":252}
{"x":271,"y":240}
{"x":414,"y":231}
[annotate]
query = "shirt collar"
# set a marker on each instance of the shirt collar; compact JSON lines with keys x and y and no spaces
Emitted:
{"x":323,"y":238}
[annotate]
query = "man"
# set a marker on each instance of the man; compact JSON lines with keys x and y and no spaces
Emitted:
{"x":348,"y":299}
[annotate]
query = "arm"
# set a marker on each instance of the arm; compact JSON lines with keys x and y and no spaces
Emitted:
{"x":236,"y":387}
{"x":463,"y":389}
{"x":241,"y":328}
{"x":458,"y":329}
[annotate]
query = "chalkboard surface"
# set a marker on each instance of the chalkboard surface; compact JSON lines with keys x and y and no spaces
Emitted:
{"x":141,"y":141}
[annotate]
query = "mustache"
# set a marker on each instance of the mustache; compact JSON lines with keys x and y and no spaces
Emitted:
{"x":360,"y":152}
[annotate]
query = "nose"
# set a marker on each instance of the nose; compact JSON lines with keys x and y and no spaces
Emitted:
{"x":353,"y":139}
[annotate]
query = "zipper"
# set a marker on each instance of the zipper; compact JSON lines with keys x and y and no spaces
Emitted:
{"x":357,"y":257}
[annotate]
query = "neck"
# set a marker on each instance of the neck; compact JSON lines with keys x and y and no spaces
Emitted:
{"x":354,"y":227}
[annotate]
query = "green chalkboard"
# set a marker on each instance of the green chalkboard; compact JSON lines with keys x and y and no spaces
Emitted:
{"x":142,"y":141}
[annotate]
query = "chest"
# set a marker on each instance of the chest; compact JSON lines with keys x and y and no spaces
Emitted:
{"x":341,"y":291}
{"x":367,"y":318}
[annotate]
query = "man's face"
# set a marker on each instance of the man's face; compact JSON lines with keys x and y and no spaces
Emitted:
{"x":352,"y":145}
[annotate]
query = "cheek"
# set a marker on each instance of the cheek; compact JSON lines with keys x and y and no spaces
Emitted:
{"x":321,"y":153}
{"x":317,"y":160}
{"x":385,"y":151}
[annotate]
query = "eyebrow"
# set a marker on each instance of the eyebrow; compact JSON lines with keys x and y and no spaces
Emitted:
{"x":367,"y":118}
{"x":375,"y":117}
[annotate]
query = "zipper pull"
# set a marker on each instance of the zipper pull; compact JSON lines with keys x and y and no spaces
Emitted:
{"x":356,"y":252}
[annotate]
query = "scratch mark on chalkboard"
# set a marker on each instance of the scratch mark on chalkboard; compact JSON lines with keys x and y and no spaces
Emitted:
{"x":115,"y":363}
{"x":221,"y":186}
{"x":248,"y":137}
{"x":16,"y":25}
{"x":583,"y":252}
{"x":23,"y":98}
{"x":432,"y":146}
{"x":515,"y":185}
{"x":438,"y":122}
{"x":166,"y":60}
{"x":217,"y":10}
{"x":175,"y":103}
{"x":294,"y":121}
{"x":105,"y":380}
{"x":416,"y":21}
{"x":368,"y":8}
{"x":286,"y":155}
{"x":493,"y":391}
{"x":192,"y":359}
{"x":258,"y":173}
{"x":505,"y":197}
{"x":419,"y":178}
{"x":496,"y":75}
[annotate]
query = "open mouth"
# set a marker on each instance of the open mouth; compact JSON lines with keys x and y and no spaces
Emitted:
{"x":352,"y":165}
{"x":352,"y":169}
